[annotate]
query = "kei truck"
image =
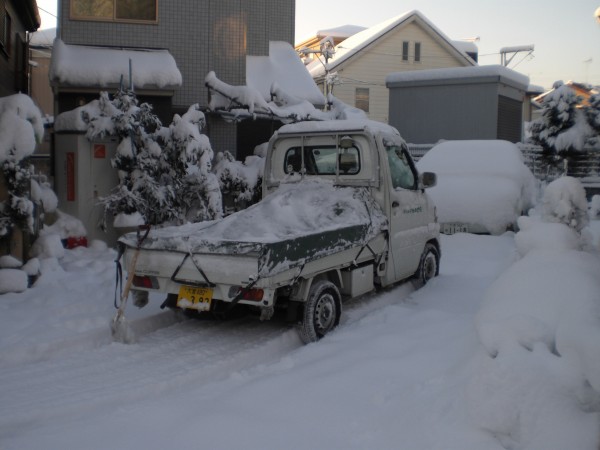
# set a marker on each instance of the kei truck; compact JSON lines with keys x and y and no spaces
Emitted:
{"x":343,"y":211}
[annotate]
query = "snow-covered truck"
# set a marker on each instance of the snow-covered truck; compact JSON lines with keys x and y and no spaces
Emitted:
{"x":344,"y":210}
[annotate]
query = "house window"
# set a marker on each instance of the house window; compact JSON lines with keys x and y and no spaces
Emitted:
{"x":361,"y":99}
{"x":115,"y":10}
{"x":417,"y":51}
{"x":5,"y":35}
{"x":405,"y":51}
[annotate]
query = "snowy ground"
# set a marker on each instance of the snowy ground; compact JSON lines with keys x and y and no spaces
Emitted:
{"x":406,"y":369}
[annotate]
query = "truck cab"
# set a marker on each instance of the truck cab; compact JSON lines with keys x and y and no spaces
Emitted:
{"x":367,"y":154}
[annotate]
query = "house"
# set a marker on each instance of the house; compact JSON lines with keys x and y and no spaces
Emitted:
{"x":482,"y":102}
{"x":405,"y":43}
{"x":582,"y":90}
{"x":17,"y":18}
{"x":337,"y":35}
{"x":197,"y":37}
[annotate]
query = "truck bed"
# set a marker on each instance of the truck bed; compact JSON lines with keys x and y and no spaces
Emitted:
{"x":294,"y":226}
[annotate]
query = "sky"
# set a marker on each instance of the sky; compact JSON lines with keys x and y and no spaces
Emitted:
{"x":566,"y":35}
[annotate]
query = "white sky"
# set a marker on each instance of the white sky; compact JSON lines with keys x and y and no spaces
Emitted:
{"x":565,"y":34}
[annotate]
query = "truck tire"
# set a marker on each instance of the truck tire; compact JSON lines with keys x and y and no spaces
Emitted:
{"x":322,"y":311}
{"x":429,"y":266}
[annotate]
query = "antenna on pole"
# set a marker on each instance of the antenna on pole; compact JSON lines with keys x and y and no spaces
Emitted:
{"x":505,"y":59}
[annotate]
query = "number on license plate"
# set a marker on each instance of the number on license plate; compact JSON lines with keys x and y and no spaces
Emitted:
{"x":197,"y":298}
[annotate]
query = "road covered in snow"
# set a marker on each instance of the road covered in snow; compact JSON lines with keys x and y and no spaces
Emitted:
{"x":403,"y":370}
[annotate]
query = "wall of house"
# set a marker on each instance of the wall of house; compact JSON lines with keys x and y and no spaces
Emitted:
{"x":370,"y":67}
{"x":10,"y":57}
{"x":201,"y":35}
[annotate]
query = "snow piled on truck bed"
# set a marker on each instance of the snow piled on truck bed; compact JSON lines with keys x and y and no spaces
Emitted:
{"x":294,"y":210}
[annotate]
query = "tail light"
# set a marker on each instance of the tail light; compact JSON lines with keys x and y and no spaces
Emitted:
{"x":252,"y":294}
{"x":145,"y":282}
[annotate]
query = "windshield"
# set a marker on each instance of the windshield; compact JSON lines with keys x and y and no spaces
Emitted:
{"x":401,"y":167}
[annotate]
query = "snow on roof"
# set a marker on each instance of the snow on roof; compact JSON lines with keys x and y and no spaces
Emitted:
{"x":466,"y":46}
{"x":460,"y":73}
{"x":345,"y":31}
{"x":359,"y":41}
{"x":78,"y":65}
{"x":285,"y":69}
{"x":43,"y":38}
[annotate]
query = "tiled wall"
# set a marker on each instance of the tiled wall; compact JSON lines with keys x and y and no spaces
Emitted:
{"x":202,"y":35}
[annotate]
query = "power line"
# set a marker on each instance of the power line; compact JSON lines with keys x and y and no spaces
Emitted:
{"x":48,"y":12}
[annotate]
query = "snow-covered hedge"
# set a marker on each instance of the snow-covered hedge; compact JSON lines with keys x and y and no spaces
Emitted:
{"x":539,"y":325}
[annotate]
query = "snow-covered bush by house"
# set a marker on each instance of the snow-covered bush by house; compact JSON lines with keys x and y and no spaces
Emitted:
{"x":164,"y":172}
{"x":565,"y":202}
{"x":189,"y":157}
{"x":565,"y":126}
{"x":241,"y":181}
{"x":539,"y":325}
{"x":21,"y":126}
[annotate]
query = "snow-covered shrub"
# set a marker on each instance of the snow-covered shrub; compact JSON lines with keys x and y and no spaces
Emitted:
{"x":190,"y":158}
{"x":240,"y":182}
{"x":164,"y":172}
{"x":565,"y":202}
{"x":539,"y":325}
{"x":20,"y":126}
{"x":595,"y":206}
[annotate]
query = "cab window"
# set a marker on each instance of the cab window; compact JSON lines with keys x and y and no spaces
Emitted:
{"x":322,"y":160}
{"x":401,"y":168}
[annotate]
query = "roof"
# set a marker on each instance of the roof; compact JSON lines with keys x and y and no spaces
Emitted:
{"x":85,"y":66}
{"x":43,"y":38}
{"x":459,"y":74}
{"x":582,"y":90}
{"x":359,"y":41}
{"x":283,"y":68}
{"x":28,"y":13}
{"x":345,"y":31}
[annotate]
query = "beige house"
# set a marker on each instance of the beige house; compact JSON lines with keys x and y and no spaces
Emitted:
{"x":404,"y":43}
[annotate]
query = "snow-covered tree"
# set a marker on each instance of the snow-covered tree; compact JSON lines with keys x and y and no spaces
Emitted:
{"x":190,"y":161}
{"x":559,"y":115}
{"x":20,"y":126}
{"x":164,"y":172}
{"x":138,"y":159}
{"x":592,"y":113}
{"x":566,"y":126}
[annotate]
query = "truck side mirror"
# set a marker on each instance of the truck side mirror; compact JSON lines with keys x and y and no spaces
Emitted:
{"x":427,"y":180}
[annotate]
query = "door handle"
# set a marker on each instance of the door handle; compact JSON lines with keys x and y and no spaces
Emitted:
{"x":395,"y":204}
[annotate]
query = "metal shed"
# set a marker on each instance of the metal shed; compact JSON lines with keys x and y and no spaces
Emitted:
{"x":483,"y":102}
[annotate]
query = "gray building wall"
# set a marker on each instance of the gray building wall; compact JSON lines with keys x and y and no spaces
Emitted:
{"x":426,"y":111}
{"x":202,"y":36}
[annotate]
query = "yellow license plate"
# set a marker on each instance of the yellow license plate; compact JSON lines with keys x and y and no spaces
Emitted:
{"x":191,"y":297}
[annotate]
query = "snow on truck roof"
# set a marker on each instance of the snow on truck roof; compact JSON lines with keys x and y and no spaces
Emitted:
{"x":338,"y":126}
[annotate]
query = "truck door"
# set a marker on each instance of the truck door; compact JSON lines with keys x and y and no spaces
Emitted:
{"x":408,"y":212}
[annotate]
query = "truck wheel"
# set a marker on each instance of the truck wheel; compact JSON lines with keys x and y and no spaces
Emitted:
{"x":428,"y":267}
{"x":322,"y":311}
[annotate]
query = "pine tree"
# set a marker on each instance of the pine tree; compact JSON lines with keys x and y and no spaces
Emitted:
{"x":558,"y":115}
{"x":592,"y":113}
